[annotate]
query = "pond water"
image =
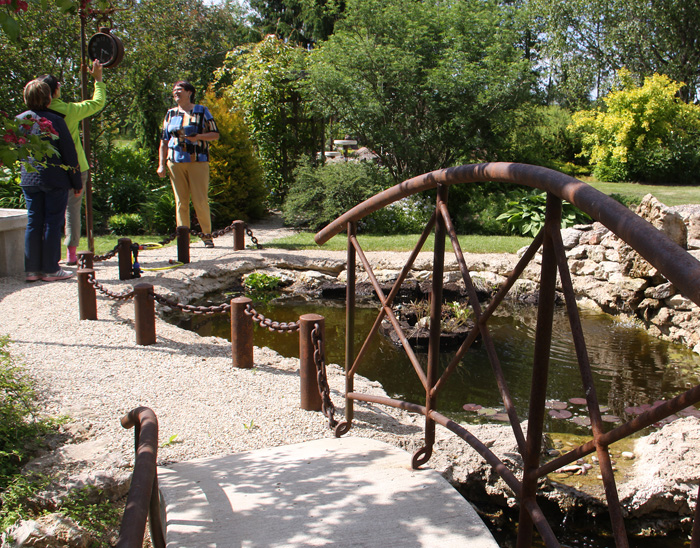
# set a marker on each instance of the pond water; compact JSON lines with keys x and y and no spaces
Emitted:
{"x":631,"y":369}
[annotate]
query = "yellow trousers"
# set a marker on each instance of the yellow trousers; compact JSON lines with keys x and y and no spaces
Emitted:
{"x":190,"y":180}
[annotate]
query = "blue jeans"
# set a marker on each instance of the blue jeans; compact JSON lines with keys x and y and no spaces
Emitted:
{"x":46,"y":211}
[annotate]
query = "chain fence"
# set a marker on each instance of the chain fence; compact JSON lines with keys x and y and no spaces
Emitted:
{"x":327,"y":407}
{"x":167,"y":239}
{"x":279,"y":327}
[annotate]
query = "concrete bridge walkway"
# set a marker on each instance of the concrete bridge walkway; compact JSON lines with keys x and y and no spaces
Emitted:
{"x":350,"y":492}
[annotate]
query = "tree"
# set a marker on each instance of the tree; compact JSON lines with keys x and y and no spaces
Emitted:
{"x":643,"y":133}
{"x":585,"y":43}
{"x":423,"y":84}
{"x":166,"y":41}
{"x":264,"y":81}
{"x":11,"y":14}
{"x":304,"y":22}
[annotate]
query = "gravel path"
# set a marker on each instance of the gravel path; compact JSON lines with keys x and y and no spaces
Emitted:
{"x":93,"y":371}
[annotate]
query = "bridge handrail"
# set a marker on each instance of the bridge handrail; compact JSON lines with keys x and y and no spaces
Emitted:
{"x":678,"y":266}
{"x":669,"y":258}
{"x":144,"y":497}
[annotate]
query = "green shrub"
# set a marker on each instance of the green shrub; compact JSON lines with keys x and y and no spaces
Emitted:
{"x":407,"y":216}
{"x":259,"y":281}
{"x":475,"y":208}
{"x":628,"y":201}
{"x":126,"y":223}
{"x":21,"y":429}
{"x":526,"y":216}
{"x":159,"y":211}
{"x":124,"y":178}
{"x":320,"y":195}
{"x":644,"y":133}
{"x":237,"y":189}
{"x":539,"y":135}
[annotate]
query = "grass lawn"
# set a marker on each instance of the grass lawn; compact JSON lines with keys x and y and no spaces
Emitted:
{"x":108,"y":242}
{"x":666,"y":194}
{"x":404,"y":242}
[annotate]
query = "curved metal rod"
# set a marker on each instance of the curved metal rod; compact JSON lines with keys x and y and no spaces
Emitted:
{"x":143,"y":500}
{"x":678,"y":266}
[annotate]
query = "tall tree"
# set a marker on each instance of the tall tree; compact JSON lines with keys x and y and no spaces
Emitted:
{"x":264,"y":81}
{"x":422,"y":83}
{"x":304,"y":22}
{"x":586,"y":42}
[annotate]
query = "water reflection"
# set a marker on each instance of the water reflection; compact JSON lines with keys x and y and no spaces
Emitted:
{"x":630,"y":367}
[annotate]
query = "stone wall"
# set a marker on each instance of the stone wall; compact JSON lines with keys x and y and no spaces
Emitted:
{"x":609,"y":275}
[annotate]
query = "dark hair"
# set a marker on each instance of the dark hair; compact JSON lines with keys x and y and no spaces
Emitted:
{"x":184,"y":84}
{"x":51,"y":80}
{"x":37,"y":95}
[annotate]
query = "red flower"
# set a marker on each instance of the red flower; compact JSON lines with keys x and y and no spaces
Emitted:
{"x":46,"y":126}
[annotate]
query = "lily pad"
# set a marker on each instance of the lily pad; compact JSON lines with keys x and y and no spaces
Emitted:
{"x":581,"y":421}
{"x":553,"y":404}
{"x":560,"y":414}
{"x":610,"y":418}
{"x":471,"y":407}
{"x":503,"y":417}
{"x":578,"y":401}
{"x":486,"y":411}
{"x":636,"y":410}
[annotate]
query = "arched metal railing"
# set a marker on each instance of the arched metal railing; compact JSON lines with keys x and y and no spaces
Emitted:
{"x":676,"y":264}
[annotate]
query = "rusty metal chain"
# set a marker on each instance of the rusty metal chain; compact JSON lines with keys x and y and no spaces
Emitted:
{"x":249,"y":232}
{"x":168,"y":239}
{"x":107,"y":255}
{"x":280,"y":327}
{"x":192,"y":309}
{"x":327,"y":406}
{"x":111,"y":294}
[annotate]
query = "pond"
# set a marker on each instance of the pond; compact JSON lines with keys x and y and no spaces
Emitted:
{"x":631,"y":369}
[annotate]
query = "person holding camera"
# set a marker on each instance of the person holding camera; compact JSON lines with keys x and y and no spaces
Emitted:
{"x":188,"y":129}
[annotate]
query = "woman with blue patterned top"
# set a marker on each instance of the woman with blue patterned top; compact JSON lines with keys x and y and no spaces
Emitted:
{"x":184,"y":155}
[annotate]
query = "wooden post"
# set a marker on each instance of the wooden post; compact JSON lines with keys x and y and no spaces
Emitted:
{"x":241,"y":333}
{"x":310,"y":394}
{"x":87,"y":297}
{"x":238,"y":235}
{"x":183,"y":244}
{"x":144,"y":314}
{"x":125,"y":264}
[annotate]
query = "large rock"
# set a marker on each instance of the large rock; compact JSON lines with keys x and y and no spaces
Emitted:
{"x":666,"y":471}
{"x":48,"y":531}
{"x":664,"y":218}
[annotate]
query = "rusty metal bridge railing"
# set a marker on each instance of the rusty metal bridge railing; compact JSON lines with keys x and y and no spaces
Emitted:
{"x":678,"y":266}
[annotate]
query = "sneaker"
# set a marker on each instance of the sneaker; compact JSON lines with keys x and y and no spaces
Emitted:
{"x":33,"y":276}
{"x":60,"y":275}
{"x":208,"y":243}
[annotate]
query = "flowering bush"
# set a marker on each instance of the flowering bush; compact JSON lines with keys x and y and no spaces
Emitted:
{"x":17,"y":142}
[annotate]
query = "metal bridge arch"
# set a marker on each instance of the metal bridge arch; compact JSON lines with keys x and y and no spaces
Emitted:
{"x":672,"y":261}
